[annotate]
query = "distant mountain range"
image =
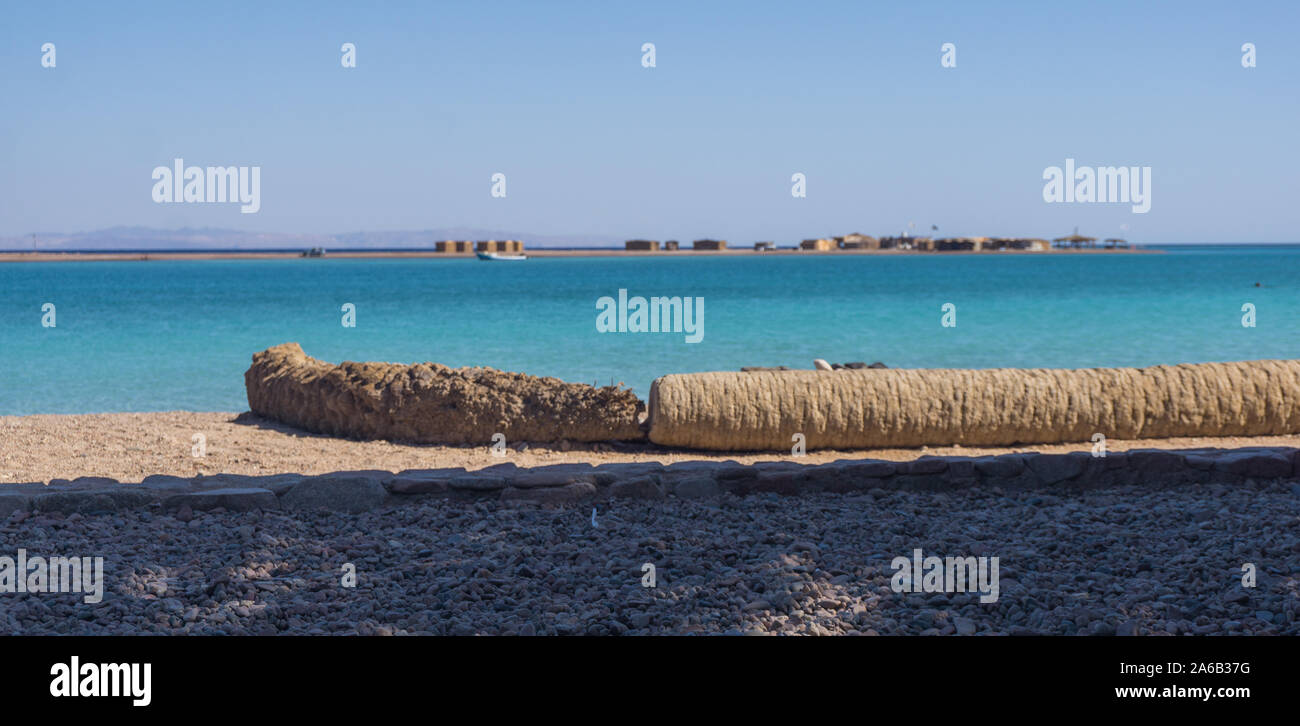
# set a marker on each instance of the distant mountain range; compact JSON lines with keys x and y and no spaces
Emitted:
{"x":145,"y":238}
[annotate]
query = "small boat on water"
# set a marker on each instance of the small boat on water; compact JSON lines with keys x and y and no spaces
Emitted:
{"x":495,"y":256}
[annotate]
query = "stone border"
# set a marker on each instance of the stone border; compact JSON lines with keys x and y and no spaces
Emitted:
{"x":562,"y":484}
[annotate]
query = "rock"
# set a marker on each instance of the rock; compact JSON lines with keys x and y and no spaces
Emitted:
{"x":337,"y":493}
{"x":1155,"y":461}
{"x":1000,"y":467}
{"x":1255,"y":464}
{"x":431,"y":403}
{"x":86,"y":482}
{"x":553,"y":477}
{"x":631,"y":470}
{"x":698,"y":487}
{"x":184,"y":513}
{"x":960,"y":467}
{"x":1200,"y":462}
{"x":1127,"y":628}
{"x":924,"y":465}
{"x":279,"y":484}
{"x":642,"y":487}
{"x":478,"y":483}
{"x":10,"y":503}
{"x":551,"y":496}
{"x":877,"y":365}
{"x":1054,"y":468}
{"x":965,"y":626}
{"x":785,"y":481}
{"x":866,"y":469}
{"x":424,"y":481}
{"x":821,"y":365}
{"x":224,"y":481}
{"x":92,"y":501}
{"x":856,"y":365}
{"x":234,"y":500}
{"x":164,"y":483}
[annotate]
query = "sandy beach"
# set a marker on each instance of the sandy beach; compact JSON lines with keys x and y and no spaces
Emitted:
{"x":130,"y":446}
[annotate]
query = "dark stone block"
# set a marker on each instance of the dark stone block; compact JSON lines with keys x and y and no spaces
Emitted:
{"x":1000,"y":467}
{"x":573,"y":493}
{"x":642,"y":487}
{"x":234,"y":500}
{"x":1054,"y":468}
{"x":1255,"y":464}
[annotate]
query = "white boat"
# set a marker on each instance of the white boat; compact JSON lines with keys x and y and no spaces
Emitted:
{"x":494,"y":256}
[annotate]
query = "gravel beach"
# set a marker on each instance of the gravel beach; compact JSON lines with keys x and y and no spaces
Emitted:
{"x":1125,"y":560}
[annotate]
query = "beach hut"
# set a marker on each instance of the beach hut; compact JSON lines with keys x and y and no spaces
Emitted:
{"x":819,"y":245}
{"x":1113,"y":242}
{"x":764,"y":246}
{"x":671,"y":245}
{"x":455,"y":247}
{"x":509,"y":246}
{"x":710,"y":244}
{"x":857,"y":241}
{"x":641,"y":245}
{"x":1075,"y":241}
{"x":958,"y":244}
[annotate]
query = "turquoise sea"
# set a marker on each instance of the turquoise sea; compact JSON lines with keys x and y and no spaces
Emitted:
{"x":178,"y":335}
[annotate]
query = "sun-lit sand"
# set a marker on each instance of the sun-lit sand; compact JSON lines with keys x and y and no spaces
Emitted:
{"x":130,"y":446}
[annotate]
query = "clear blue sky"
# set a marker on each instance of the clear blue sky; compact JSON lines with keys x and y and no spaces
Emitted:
{"x":744,"y":95}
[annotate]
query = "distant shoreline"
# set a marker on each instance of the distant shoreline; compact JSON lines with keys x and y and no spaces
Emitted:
{"x":145,"y":256}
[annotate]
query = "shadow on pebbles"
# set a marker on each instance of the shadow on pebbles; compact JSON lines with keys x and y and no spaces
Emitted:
{"x":1118,"y":561}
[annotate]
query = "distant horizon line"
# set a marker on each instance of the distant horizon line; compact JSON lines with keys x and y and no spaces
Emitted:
{"x":411,"y":248}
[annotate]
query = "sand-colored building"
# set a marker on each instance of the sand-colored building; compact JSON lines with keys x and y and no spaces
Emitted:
{"x":709,"y":244}
{"x":499,"y":245}
{"x":641,"y":245}
{"x":672,"y":245}
{"x":857,"y":241}
{"x":819,"y":245}
{"x":455,"y":247}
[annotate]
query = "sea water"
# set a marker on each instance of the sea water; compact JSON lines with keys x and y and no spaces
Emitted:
{"x":178,"y":335}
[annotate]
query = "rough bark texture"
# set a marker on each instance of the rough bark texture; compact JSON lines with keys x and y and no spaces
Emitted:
{"x":431,"y":403}
{"x":854,"y":409}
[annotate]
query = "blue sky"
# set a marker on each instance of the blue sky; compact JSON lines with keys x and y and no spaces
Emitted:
{"x":851,"y":94}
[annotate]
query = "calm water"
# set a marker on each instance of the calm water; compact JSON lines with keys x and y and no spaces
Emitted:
{"x":154,"y":336}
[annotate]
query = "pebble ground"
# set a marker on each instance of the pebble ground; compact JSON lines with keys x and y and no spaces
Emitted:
{"x":1125,"y":561}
